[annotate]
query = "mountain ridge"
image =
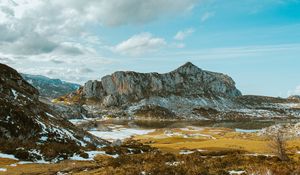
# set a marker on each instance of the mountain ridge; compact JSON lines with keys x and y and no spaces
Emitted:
{"x":49,"y":87}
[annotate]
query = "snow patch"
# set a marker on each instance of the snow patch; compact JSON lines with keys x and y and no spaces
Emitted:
{"x":190,"y":151}
{"x":236,"y":172}
{"x":87,"y":139}
{"x":186,"y":152}
{"x":246,"y":130}
{"x":8,"y":156}
{"x":49,"y":115}
{"x":14,"y":93}
{"x":79,"y":121}
{"x":35,"y":162}
{"x":44,"y":138}
{"x":92,"y":155}
{"x":3,"y":169}
{"x":174,"y":134}
{"x":121,"y":133}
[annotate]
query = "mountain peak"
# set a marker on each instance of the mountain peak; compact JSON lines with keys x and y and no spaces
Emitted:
{"x":188,"y":68}
{"x":188,"y":64}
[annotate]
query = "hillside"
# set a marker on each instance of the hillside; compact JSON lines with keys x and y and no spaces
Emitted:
{"x":29,"y":129}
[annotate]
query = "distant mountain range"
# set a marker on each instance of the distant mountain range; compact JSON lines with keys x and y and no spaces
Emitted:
{"x":187,"y":92}
{"x":48,"y":87}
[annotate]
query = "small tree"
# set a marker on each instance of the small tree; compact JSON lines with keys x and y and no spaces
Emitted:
{"x":278,"y":145}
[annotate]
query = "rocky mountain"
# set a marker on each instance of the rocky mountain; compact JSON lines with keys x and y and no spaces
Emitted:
{"x":187,"y":81}
{"x":29,"y":129}
{"x":48,"y":87}
{"x":187,"y":92}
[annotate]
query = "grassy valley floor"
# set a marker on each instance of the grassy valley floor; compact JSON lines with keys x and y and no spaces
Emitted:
{"x":182,"y":150}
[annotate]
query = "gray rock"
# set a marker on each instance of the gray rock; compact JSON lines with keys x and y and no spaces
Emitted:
{"x":187,"y":81}
{"x":117,"y":142}
{"x":186,"y":93}
{"x":110,"y":100}
{"x":93,"y":89}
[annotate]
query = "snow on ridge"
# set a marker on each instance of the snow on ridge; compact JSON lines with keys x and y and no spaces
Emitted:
{"x":49,"y":115}
{"x":14,"y":93}
{"x":63,"y":133}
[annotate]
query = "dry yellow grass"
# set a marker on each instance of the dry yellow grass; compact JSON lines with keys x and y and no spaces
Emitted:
{"x":219,"y":144}
{"x":44,"y":168}
{"x":193,"y":138}
{"x":221,"y":138}
{"x":4,"y":162}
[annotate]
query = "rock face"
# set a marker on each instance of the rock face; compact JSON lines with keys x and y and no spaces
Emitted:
{"x":30,"y":129}
{"x":187,"y":81}
{"x":186,"y":93}
{"x":48,"y":87}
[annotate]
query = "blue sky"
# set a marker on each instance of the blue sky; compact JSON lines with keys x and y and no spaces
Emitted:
{"x":257,"y":42}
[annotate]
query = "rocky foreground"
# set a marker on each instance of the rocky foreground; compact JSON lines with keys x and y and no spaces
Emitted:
{"x":29,"y":129}
{"x":188,"y":92}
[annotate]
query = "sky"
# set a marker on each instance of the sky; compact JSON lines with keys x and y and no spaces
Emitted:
{"x":256,"y":42}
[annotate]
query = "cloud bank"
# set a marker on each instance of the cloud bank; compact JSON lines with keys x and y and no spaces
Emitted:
{"x":32,"y":27}
{"x":140,"y":44}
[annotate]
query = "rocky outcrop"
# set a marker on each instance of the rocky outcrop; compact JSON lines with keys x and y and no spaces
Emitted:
{"x":187,"y":81}
{"x":288,"y":130}
{"x":185,"y":93}
{"x":30,"y":129}
{"x":294,"y":98}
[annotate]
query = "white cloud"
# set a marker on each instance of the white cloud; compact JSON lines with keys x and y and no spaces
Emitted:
{"x":33,"y":27}
{"x":78,"y":69}
{"x":181,"y":35}
{"x":6,"y":60}
{"x":120,"y":12}
{"x":140,"y":44}
{"x":48,"y":36}
{"x":296,"y":91}
{"x":207,"y":15}
{"x":38,"y":27}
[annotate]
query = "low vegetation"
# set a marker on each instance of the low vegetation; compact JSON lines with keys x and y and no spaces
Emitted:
{"x":205,"y":151}
{"x":215,"y":162}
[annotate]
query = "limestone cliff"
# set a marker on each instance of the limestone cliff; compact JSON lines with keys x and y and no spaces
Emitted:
{"x":188,"y":92}
{"x":186,"y":81}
